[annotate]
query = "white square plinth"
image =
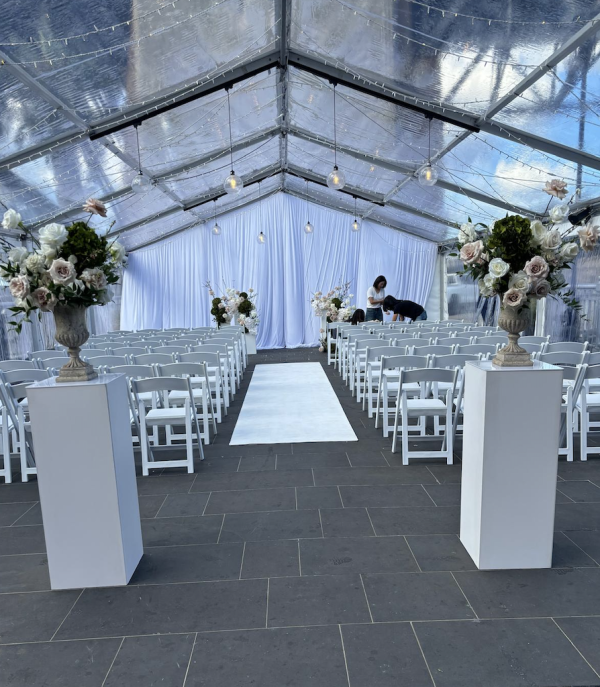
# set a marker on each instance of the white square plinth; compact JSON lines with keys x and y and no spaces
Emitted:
{"x":86,"y":475}
{"x":510,"y":460}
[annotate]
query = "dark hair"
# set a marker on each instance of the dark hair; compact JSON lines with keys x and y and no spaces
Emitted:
{"x":389,"y":302}
{"x":379,"y":278}
{"x":359,"y":316}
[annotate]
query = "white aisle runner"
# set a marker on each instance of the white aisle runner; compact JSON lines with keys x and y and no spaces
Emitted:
{"x":291,"y":403}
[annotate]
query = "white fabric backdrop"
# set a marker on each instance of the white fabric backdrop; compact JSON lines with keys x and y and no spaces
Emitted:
{"x":164,"y":283}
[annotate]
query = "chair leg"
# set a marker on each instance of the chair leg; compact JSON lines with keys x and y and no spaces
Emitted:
{"x":405,"y":448}
{"x":584,"y":424}
{"x":22,"y":446}
{"x":189,"y":443}
{"x":144,"y":443}
{"x":449,"y":431}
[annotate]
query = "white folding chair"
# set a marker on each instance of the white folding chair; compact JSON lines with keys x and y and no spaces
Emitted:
{"x":227,"y":363}
{"x":235,"y":355}
{"x":453,"y":340}
{"x":494,"y":340}
{"x":371,"y":378}
{"x":423,"y":407}
{"x":588,"y":403}
{"x":198,"y":377}
{"x":129,"y":351}
{"x":541,"y":340}
{"x":44,"y":355}
{"x":153,"y":359}
{"x":456,"y":361}
{"x":165,"y":416}
{"x":574,"y":376}
{"x":484,"y":350}
{"x":103,"y":361}
{"x":175,"y":351}
{"x":388,"y":387}
{"x":566,"y":346}
{"x":218,"y":379}
{"x":7,"y":365}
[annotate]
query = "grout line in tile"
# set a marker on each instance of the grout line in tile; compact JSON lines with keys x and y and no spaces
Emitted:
{"x":431,"y":473}
{"x":372,"y":525}
{"x":344,"y":654}
{"x":242,"y":561}
{"x":161,"y":505}
{"x":362,"y":582}
{"x":206,"y":504}
{"x":276,"y":458}
{"x":321,"y":523}
{"x":267,"y":609}
{"x":428,"y":494}
{"x":384,"y":458}
{"x":422,"y":653}
{"x":312,"y":472}
{"x":412,"y":553}
{"x":579,"y":547}
{"x":296,"y":496}
{"x":469,"y":604}
{"x":565,"y":495}
{"x":68,"y":614}
{"x":221,"y":530}
{"x":340,"y":493}
{"x":575,"y":647}
{"x":190,"y":660}
{"x":23,"y":514}
{"x":299,"y":560}
{"x":193,"y":482}
{"x":239,"y":464}
{"x":112,"y":663}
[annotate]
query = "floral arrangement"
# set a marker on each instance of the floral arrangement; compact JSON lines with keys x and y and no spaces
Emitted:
{"x":235,"y":304}
{"x":67,"y":265}
{"x":334,"y":305}
{"x":218,"y":307}
{"x":522,"y":260}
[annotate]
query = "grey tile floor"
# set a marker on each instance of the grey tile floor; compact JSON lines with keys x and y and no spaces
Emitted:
{"x":321,"y":565}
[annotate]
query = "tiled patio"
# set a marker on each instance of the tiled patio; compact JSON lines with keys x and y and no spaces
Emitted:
{"x":306,"y":565}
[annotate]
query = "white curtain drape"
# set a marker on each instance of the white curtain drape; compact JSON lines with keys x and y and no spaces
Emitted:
{"x":164,"y":283}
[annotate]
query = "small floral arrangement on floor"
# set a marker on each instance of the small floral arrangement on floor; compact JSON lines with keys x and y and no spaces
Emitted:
{"x":522,"y":260}
{"x":218,"y":307}
{"x":67,"y":265}
{"x":235,"y":304}
{"x":247,"y":312}
{"x":334,"y":305}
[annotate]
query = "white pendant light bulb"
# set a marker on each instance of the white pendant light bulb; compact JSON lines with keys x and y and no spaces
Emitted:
{"x":216,"y":230}
{"x":428,"y":175}
{"x":233,"y":184}
{"x":336,"y":179}
{"x":308,"y":228}
{"x":141,"y":183}
{"x":261,"y":238}
{"x":355,"y":224}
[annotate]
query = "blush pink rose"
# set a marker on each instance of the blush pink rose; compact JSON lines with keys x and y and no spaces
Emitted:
{"x":471,"y":252}
{"x":536,"y":268}
{"x":556,"y":188}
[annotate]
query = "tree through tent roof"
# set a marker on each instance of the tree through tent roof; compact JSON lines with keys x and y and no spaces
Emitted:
{"x":512,"y":89}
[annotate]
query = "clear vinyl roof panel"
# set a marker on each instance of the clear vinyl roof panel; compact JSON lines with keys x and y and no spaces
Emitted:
{"x":437,"y":49}
{"x":144,"y":47}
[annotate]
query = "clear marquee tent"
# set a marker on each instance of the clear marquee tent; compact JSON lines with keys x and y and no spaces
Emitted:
{"x":500,"y":96}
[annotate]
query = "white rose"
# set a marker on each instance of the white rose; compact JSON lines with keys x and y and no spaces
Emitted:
{"x":519,"y":281}
{"x":485,"y":289}
{"x":53,"y":235}
{"x":498,"y":268}
{"x":551,"y":240}
{"x":467,"y":233}
{"x":11,"y":219}
{"x":62,"y":272}
{"x":19,"y":287}
{"x":117,"y":251}
{"x":95,"y":278}
{"x":558,"y":213}
{"x":569,"y":251}
{"x":17,"y":255}
{"x":105,"y":296}
{"x":35,"y":263}
{"x":48,"y":252}
{"x":538,"y":230}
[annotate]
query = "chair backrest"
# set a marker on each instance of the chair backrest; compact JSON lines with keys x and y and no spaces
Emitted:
{"x":7,"y":365}
{"x":483,"y":349}
{"x":110,"y":360}
{"x":482,"y":331}
{"x":562,"y":358}
{"x":566,"y":346}
{"x":453,"y":360}
{"x":223,"y":349}
{"x":141,"y":386}
{"x":20,"y":376}
{"x":359,"y":335}
{"x":153,"y":359}
{"x":421,"y":343}
{"x":50,"y":363}
{"x":133,"y":371}
{"x":17,"y":392}
{"x":403,"y":361}
{"x":184,"y":342}
{"x":377,"y":352}
{"x":210,"y":359}
{"x":362,"y":344}
{"x":501,"y":339}
{"x":591,"y":372}
{"x":403,"y":340}
{"x":130,"y":350}
{"x":227,"y":341}
{"x":95,"y":352}
{"x":454,"y":340}
{"x":182,"y":370}
{"x":44,"y":355}
{"x":435,"y":350}
{"x":532,"y":347}
{"x":534,"y":339}
{"x":134,"y":344}
{"x":170,"y":349}
{"x":591,"y":359}
{"x":428,"y":374}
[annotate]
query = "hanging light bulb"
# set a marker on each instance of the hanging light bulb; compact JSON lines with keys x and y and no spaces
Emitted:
{"x":355,"y":224}
{"x":428,"y":175}
{"x":233,"y":183}
{"x":308,"y":227}
{"x":141,"y":183}
{"x":261,"y":238}
{"x":216,"y":230}
{"x":336,"y":179}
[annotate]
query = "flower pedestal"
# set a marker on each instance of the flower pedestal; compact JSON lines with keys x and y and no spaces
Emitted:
{"x":509,"y":465}
{"x":250,"y":343}
{"x":513,"y":321}
{"x":72,"y":332}
{"x":86,"y":477}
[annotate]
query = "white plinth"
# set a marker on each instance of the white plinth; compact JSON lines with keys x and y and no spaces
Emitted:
{"x":510,"y":461}
{"x":86,"y":475}
{"x":250,"y":343}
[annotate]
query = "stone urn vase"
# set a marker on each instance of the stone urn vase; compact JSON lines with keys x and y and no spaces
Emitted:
{"x":513,"y":321}
{"x":72,"y":332}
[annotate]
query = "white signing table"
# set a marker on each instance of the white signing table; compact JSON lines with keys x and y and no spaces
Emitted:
{"x":86,"y":475}
{"x":510,"y":461}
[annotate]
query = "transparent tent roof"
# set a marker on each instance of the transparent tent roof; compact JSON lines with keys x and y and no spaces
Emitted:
{"x":500,"y":97}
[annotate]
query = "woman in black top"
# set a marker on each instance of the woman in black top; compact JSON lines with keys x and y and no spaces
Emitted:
{"x":402,"y":309}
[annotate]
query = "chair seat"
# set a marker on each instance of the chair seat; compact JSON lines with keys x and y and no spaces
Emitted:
{"x":181,"y":396}
{"x":166,"y":416}
{"x":425,"y":406}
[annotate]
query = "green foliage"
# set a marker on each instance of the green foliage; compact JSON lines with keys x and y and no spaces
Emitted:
{"x":218,"y":313}
{"x":511,"y":240}
{"x":243,"y":294}
{"x":90,"y":249}
{"x":337,"y":302}
{"x":245,"y":307}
